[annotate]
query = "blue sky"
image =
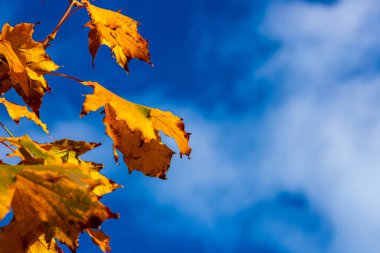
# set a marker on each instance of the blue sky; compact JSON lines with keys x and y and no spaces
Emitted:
{"x":282,"y":99}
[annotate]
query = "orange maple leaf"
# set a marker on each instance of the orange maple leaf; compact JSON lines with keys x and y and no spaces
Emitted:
{"x":51,"y":193}
{"x":118,"y":32}
{"x":24,"y":64}
{"x":134,"y":130}
{"x":16,"y":112}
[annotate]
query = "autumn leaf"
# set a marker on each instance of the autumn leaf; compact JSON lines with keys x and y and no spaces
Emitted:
{"x":31,"y":152}
{"x":100,"y":239}
{"x":43,"y":246}
{"x":5,"y":82}
{"x":7,"y":188}
{"x":134,"y":130}
{"x":25,"y":62}
{"x":118,"y":32}
{"x":18,"y":238}
{"x":16,"y":112}
{"x":60,"y":195}
{"x":70,"y":150}
{"x":60,"y":152}
{"x":67,"y":188}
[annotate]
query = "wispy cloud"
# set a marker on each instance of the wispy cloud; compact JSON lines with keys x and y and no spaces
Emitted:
{"x":321,"y":137}
{"x":326,"y":143}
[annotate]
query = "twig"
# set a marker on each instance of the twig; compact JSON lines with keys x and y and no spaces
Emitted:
{"x":8,"y":146}
{"x":65,"y":17}
{"x":7,"y":130}
{"x":64,"y":75}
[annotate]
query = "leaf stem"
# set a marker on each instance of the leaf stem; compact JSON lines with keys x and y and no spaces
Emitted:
{"x":66,"y":76}
{"x":7,"y":130}
{"x":65,"y":17}
{"x":8,"y":146}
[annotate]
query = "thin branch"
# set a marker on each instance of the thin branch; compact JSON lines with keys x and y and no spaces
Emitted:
{"x":65,"y":17}
{"x":75,"y":10}
{"x":7,"y":130}
{"x":66,"y":76}
{"x":8,"y":146}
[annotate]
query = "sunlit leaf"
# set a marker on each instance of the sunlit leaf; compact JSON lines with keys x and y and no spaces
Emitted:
{"x":59,"y":194}
{"x":25,"y":62}
{"x":118,"y":32}
{"x":134,"y":130}
{"x":100,"y":239}
{"x":16,"y":112}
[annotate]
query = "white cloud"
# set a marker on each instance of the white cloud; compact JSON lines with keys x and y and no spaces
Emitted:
{"x":322,"y":43}
{"x":325,"y":134}
{"x":327,"y":140}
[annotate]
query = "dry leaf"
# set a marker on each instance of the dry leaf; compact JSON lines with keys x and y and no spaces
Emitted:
{"x":135,"y":131}
{"x":49,"y":189}
{"x":18,"y":238}
{"x":118,"y":32}
{"x":60,"y":152}
{"x":100,"y":239}
{"x":5,"y":82}
{"x":60,"y":195}
{"x":16,"y":112}
{"x":70,"y":150}
{"x":25,"y":61}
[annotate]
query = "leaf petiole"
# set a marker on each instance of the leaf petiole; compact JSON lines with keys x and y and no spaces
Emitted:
{"x":68,"y":13}
{"x":8,"y":146}
{"x":7,"y":130}
{"x":66,"y":76}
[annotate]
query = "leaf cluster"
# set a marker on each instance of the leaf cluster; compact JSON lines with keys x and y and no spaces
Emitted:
{"x":53,"y":193}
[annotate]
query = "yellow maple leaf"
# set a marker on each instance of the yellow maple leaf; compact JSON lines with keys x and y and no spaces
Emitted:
{"x":118,"y":32}
{"x":60,"y":195}
{"x":100,"y":239}
{"x":60,"y":152}
{"x":16,"y":112}
{"x":31,"y":152}
{"x":70,"y":150}
{"x":43,"y":246}
{"x":134,"y":130}
{"x":60,"y":183}
{"x":18,"y":238}
{"x":25,"y":63}
{"x":5,"y":83}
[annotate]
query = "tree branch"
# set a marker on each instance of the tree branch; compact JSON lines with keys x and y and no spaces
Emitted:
{"x":68,"y":13}
{"x":7,"y":130}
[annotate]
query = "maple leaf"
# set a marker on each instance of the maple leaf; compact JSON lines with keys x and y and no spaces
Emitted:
{"x":60,"y":152}
{"x":5,"y":82}
{"x":25,"y":62}
{"x":118,"y":32}
{"x":43,"y":246}
{"x":15,"y":239}
{"x":68,"y":190}
{"x":70,"y":150}
{"x":60,"y":195}
{"x":100,"y":239}
{"x":134,"y":130}
{"x":16,"y":112}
